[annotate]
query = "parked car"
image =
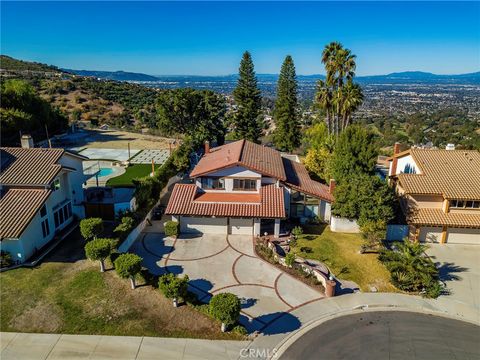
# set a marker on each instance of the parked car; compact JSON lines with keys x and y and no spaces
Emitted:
{"x":158,"y":212}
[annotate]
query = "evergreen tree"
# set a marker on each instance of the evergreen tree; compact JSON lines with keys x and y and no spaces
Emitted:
{"x":287,"y":133}
{"x":249,"y":101}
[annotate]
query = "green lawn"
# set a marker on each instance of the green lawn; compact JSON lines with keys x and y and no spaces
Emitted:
{"x":135,"y":171}
{"x":68,"y":294}
{"x":340,"y":252}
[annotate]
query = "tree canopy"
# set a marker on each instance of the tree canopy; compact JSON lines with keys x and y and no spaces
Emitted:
{"x":22,"y":110}
{"x":247,"y":124}
{"x":355,"y":152}
{"x":285,"y":115}
{"x":200,"y":114}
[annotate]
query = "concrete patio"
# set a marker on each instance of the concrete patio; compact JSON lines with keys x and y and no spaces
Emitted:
{"x":217,"y":263}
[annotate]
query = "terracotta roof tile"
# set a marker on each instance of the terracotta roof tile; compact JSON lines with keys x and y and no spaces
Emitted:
{"x":262,"y":159}
{"x":17,"y":208}
{"x":299,"y":179}
{"x":182,"y":202}
{"x":35,"y":166}
{"x":455,"y":174}
{"x":436,"y":217}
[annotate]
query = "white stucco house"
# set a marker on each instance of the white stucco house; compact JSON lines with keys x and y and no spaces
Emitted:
{"x":41,"y":191}
{"x":246,"y":188}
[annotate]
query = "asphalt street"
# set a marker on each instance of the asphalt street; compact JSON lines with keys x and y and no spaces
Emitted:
{"x":388,"y":335}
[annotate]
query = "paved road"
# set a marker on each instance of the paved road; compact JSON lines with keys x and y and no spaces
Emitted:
{"x":388,"y":335}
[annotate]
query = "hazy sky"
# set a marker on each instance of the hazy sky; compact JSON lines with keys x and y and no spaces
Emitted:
{"x":209,"y":37}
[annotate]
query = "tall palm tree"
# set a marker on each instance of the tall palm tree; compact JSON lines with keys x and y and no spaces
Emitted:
{"x":324,"y":101}
{"x":351,"y":99}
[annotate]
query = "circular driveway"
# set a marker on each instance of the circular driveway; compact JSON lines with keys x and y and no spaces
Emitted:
{"x":217,"y":263}
{"x":388,"y":335}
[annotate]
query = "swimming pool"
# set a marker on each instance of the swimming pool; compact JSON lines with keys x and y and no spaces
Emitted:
{"x":105,"y":172}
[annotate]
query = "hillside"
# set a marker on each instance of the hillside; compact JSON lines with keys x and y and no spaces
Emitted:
{"x":114,"y":75}
{"x":11,"y":64}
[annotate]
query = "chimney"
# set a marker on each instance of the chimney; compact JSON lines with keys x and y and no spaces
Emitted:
{"x":27,"y":142}
{"x":331,"y":186}
{"x":396,"y":150}
{"x":207,"y":147}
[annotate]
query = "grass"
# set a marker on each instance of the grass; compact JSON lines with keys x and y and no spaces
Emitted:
{"x":68,"y":294}
{"x":340,"y":252}
{"x":132,"y":172}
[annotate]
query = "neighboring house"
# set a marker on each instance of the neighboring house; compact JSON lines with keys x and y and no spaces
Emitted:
{"x":440,"y":192}
{"x":41,"y":191}
{"x":245,"y":188}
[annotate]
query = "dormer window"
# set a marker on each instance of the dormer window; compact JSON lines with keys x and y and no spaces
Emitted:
{"x":245,"y":184}
{"x":462,"y":204}
{"x":213,"y":183}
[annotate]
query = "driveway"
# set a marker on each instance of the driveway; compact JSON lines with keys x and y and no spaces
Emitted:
{"x":459,"y":267}
{"x":217,"y":263}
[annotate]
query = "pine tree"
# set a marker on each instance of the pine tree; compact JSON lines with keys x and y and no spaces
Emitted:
{"x":287,"y":133}
{"x":249,"y":101}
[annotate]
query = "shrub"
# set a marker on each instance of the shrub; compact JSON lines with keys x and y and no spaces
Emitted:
{"x":290,"y":259}
{"x":128,"y":266}
{"x":306,"y":249}
{"x":297,"y":231}
{"x":91,"y":227}
{"x":240,"y":330}
{"x":173,"y":287}
{"x":293,"y":242}
{"x":5,"y":259}
{"x":171,"y":228}
{"x":374,"y":232}
{"x":125,"y":226}
{"x":225,"y":307}
{"x":99,"y":249}
{"x":410,"y":270}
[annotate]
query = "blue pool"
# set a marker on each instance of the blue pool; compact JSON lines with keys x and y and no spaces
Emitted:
{"x":105,"y":172}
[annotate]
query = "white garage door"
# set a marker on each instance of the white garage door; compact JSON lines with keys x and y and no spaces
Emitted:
{"x":463,"y":236}
{"x":430,"y":234}
{"x":204,"y":225}
{"x":241,"y":226}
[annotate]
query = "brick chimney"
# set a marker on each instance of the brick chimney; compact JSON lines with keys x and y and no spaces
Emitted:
{"x":207,"y":147}
{"x":27,"y":142}
{"x":396,"y":150}
{"x":331,"y":186}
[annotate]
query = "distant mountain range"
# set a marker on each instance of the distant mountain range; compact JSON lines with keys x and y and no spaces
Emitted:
{"x":397,"y":77}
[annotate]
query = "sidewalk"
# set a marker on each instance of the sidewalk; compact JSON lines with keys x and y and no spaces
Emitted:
{"x":320,"y":311}
{"x":21,"y":346}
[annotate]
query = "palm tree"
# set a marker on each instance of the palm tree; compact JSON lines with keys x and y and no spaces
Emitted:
{"x":324,"y":101}
{"x":351,"y":99}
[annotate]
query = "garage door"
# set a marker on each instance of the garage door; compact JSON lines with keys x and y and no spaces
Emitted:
{"x":204,"y":225}
{"x":463,"y":236}
{"x":430,"y":234}
{"x":241,"y":226}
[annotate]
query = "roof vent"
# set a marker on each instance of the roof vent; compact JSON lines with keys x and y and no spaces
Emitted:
{"x":450,"y":147}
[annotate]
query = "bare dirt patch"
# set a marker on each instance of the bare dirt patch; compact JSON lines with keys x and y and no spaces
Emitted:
{"x":42,"y":317}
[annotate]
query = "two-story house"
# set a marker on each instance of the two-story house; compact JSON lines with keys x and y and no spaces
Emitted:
{"x":440,"y":192}
{"x":41,"y":191}
{"x":246,"y":188}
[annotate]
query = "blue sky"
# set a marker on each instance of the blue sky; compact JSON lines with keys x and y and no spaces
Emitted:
{"x":208,"y":38}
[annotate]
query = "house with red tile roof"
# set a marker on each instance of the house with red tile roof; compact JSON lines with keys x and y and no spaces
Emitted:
{"x":246,"y":188}
{"x":440,"y":193}
{"x":40,"y":192}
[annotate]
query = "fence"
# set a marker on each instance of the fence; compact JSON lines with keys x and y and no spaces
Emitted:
{"x":396,"y":232}
{"x":338,"y":224}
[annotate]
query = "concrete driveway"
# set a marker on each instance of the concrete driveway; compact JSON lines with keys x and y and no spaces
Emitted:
{"x":217,"y":263}
{"x":459,"y":267}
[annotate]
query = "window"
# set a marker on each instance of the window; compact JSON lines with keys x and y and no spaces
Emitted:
{"x":462,"y":204}
{"x":56,"y":184}
{"x":476,"y":205}
{"x":45,"y":228}
{"x":213,"y":183}
{"x":43,"y":211}
{"x":245,"y":184}
{"x":62,"y":214}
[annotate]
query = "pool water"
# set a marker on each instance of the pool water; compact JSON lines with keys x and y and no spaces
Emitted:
{"x":105,"y":172}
